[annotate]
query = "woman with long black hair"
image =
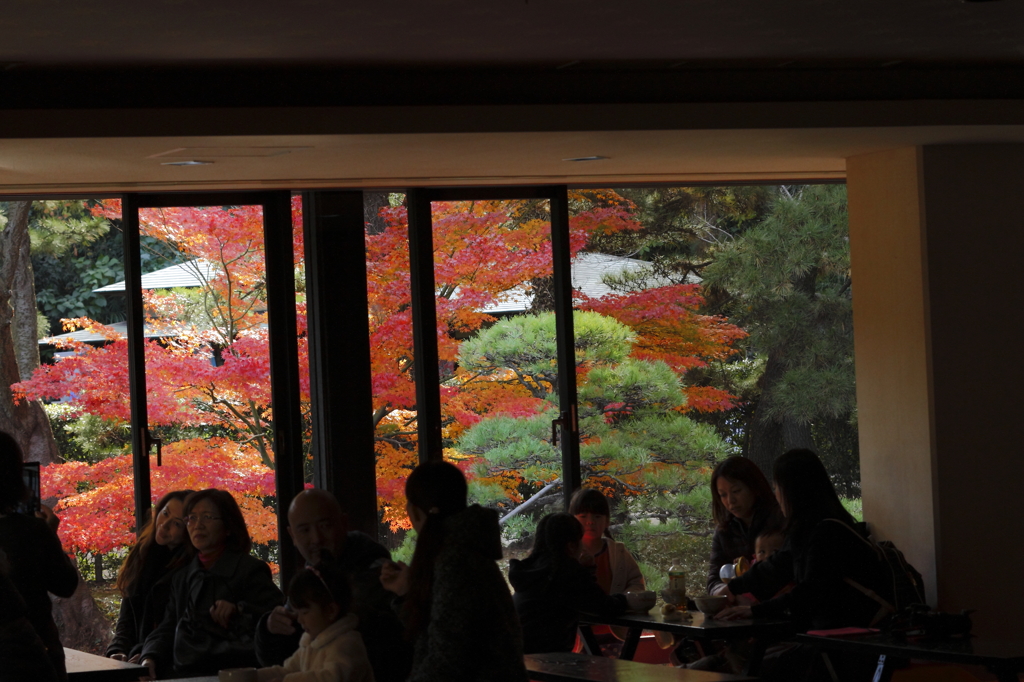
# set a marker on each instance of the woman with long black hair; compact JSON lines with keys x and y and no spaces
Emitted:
{"x":145,"y":577}
{"x":553,"y":588}
{"x":825,"y":551}
{"x":742,"y":505}
{"x":453,"y":599}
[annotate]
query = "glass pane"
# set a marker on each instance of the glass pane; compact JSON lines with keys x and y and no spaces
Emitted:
{"x":207,"y":360}
{"x":301,"y":318}
{"x":712,"y":286}
{"x":391,"y":356}
{"x":77,"y":259}
{"x":492,"y":270}
{"x":207,"y":366}
{"x":644,"y":447}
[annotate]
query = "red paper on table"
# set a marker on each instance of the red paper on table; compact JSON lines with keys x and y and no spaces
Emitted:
{"x":843,"y":632}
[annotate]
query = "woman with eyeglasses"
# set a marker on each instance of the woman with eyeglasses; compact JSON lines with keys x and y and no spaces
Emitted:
{"x":145,"y":577}
{"x":215,"y":600}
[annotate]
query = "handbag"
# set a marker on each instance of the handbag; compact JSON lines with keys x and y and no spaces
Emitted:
{"x":201,"y":646}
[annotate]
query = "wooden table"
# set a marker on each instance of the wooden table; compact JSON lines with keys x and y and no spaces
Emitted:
{"x":562,"y":667}
{"x":83,"y":667}
{"x":1003,"y":659}
{"x":765,"y":630}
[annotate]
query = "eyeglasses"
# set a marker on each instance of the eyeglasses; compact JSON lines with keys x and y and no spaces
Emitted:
{"x":193,"y":519}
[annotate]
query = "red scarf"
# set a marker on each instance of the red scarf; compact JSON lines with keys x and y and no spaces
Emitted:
{"x":208,"y":559}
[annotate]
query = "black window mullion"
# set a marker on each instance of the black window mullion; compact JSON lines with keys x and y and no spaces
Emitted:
{"x":136,"y":358}
{"x":339,"y":353}
{"x":279,"y":257}
{"x":282,"y":331}
{"x":566,"y":343}
{"x":424,"y":326}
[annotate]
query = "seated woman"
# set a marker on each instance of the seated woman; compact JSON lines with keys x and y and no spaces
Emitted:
{"x":824,"y":546}
{"x":145,"y":577}
{"x":215,"y":600}
{"x":617,"y":570}
{"x":742,"y":505}
{"x":552,"y":587}
{"x":37,"y":563}
{"x":456,"y":606}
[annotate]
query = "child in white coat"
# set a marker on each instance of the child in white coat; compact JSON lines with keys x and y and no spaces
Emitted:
{"x":331,"y":649}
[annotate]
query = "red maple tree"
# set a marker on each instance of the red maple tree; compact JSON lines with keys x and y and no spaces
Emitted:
{"x":212,"y":368}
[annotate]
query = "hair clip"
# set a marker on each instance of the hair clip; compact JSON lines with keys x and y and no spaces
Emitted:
{"x":317,"y":573}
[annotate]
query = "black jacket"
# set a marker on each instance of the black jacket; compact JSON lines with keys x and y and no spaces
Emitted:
{"x":21,"y":650}
{"x":473,"y":634}
{"x":142,"y":609}
{"x":389,"y":652}
{"x":188,"y":641}
{"x":820,"y":599}
{"x":38,"y":566}
{"x":737,"y":541}
{"x":549,"y":602}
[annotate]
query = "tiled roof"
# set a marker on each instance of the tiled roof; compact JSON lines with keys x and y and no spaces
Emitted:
{"x":149,"y":331}
{"x":588,"y":273}
{"x":190,"y":274}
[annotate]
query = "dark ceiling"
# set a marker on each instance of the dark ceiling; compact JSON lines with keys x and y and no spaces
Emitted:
{"x":549,"y":33}
{"x":98,"y":95}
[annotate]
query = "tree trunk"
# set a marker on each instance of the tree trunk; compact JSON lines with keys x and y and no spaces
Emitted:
{"x":764,"y":436}
{"x":80,"y":622}
{"x":768,"y":438}
{"x":26,"y":421}
{"x":796,"y":435}
{"x":17,"y":262}
{"x":373,"y":202}
{"x":764,"y":443}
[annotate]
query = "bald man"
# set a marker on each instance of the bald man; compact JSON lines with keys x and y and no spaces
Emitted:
{"x":319,"y":528}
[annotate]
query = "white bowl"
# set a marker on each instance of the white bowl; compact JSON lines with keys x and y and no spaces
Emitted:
{"x":641,"y":601}
{"x":709,"y":605}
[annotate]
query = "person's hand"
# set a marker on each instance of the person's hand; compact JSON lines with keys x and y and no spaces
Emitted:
{"x":719,"y":589}
{"x":745,"y":600}
{"x":281,"y":621}
{"x":118,"y":657}
{"x":151,"y":665}
{"x":222,"y":611}
{"x":394,"y":576}
{"x":135,"y":658}
{"x":47,"y":515}
{"x":734,"y":613}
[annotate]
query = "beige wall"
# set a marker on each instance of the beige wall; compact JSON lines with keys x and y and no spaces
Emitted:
{"x":937,"y":240}
{"x":891,"y":344}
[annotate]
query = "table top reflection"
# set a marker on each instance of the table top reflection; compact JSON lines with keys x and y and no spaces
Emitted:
{"x":969,"y":650}
{"x":564,"y":667}
{"x":85,"y":667}
{"x":698,"y":624}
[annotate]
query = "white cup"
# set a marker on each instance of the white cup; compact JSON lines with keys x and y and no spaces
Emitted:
{"x":237,"y":675}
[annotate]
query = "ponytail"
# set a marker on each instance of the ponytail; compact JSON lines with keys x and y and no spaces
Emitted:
{"x":439,"y":489}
